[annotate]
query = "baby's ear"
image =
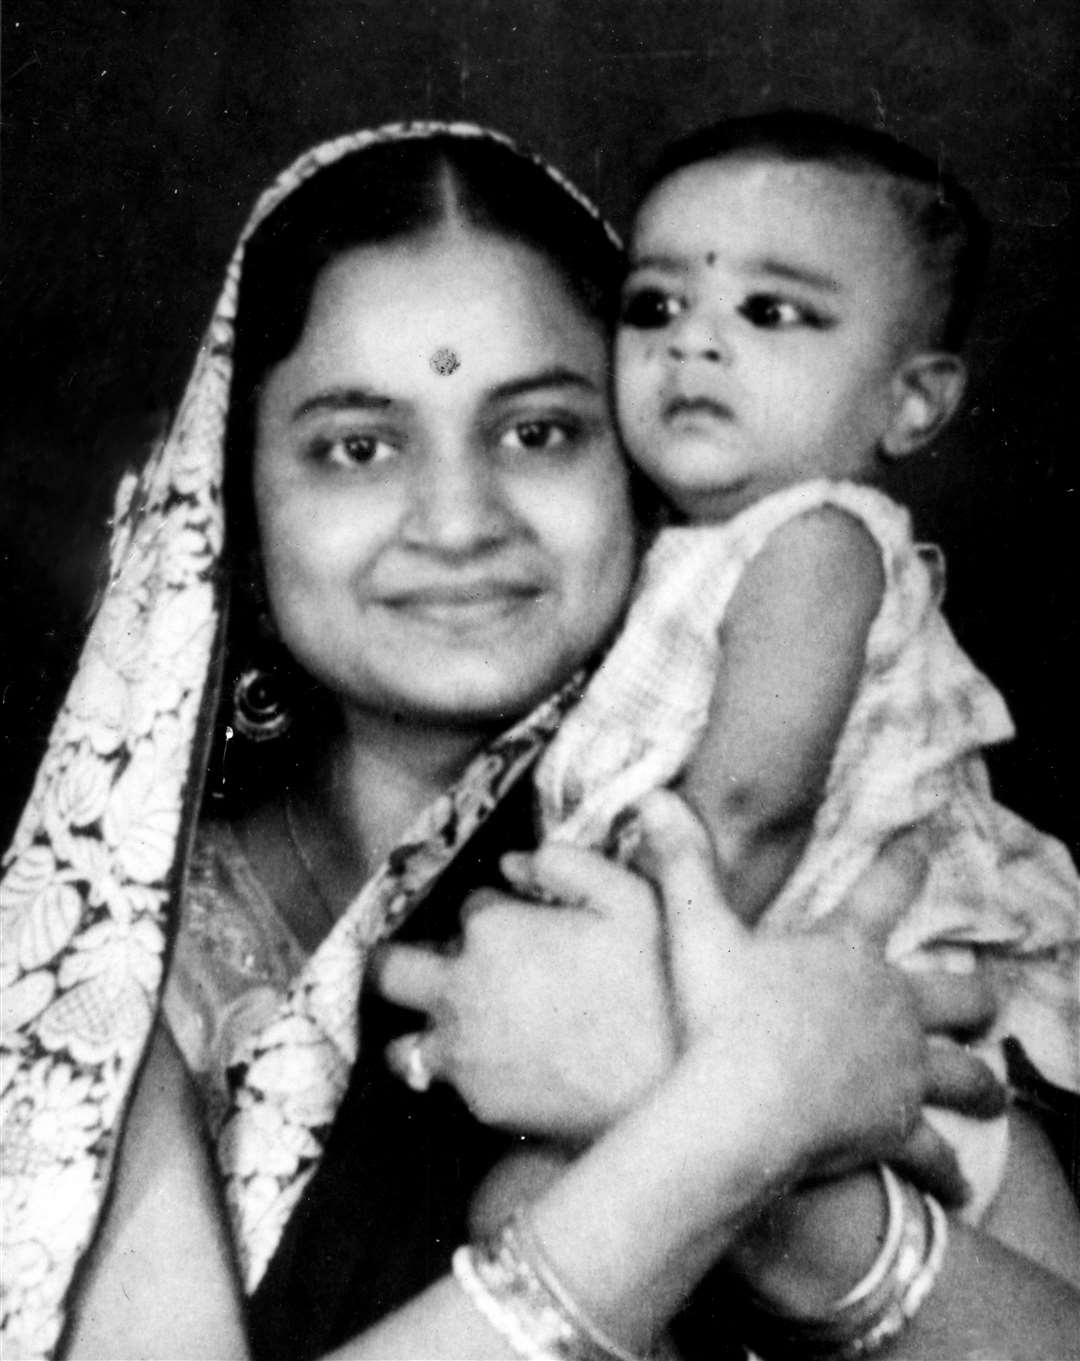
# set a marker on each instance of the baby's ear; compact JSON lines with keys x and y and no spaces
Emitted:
{"x":927,"y":389}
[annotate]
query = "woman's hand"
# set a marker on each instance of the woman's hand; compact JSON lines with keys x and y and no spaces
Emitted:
{"x":847,"y":1031}
{"x":548,"y":1020}
{"x":554,"y":1021}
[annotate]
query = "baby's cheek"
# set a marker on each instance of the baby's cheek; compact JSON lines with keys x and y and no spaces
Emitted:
{"x":628,"y":360}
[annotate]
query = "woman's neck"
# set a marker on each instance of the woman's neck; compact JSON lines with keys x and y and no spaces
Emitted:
{"x":317,"y":840}
{"x":379,"y":774}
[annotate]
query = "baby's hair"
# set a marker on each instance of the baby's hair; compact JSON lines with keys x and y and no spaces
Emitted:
{"x":941,"y":219}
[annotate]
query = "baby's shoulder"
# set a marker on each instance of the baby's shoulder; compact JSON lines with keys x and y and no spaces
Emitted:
{"x":821,"y":524}
{"x":840,"y":508}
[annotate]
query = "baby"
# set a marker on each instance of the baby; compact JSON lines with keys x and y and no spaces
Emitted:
{"x":790,"y":324}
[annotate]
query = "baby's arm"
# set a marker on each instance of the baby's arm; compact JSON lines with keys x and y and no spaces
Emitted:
{"x":794,"y":642}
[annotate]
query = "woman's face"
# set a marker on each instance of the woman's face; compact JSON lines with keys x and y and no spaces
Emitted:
{"x":442,"y":506}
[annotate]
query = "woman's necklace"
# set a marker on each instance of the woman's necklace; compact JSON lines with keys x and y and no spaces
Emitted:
{"x":301,"y":853}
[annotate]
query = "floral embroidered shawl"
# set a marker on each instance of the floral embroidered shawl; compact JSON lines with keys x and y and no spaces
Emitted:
{"x":92,"y":878}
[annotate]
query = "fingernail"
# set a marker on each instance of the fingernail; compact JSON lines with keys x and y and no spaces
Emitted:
{"x":517,"y":868}
{"x":625,"y":835}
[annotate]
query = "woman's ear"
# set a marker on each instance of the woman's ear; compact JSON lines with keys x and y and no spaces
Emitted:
{"x":927,"y":389}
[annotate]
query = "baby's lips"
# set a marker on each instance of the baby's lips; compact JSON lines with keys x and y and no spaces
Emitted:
{"x":697,"y":404}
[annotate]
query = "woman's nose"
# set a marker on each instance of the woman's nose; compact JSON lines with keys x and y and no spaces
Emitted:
{"x":457,"y":506}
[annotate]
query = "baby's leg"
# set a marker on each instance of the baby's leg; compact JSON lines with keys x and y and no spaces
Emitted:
{"x":517,"y":1179}
{"x":980,"y":1145}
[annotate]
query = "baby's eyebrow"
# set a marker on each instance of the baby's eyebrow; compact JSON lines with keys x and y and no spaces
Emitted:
{"x":797,"y":274}
{"x":669,"y":262}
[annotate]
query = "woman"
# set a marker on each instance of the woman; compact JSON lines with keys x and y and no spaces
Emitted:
{"x":442,"y":522}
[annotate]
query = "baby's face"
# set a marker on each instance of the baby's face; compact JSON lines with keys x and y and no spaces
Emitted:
{"x":764,"y":320}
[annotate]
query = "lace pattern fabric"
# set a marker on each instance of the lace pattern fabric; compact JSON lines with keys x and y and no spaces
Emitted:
{"x":94,"y":872}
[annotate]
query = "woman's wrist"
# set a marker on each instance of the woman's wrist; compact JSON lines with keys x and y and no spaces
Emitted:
{"x":678,"y":1180}
{"x":874,"y":1311}
{"x":511,"y":1281}
{"x":813,"y":1244}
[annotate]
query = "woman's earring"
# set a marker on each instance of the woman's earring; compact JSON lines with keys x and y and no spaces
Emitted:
{"x":260,"y":709}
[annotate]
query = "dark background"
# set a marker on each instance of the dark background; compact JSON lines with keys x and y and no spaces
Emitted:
{"x":136,"y":135}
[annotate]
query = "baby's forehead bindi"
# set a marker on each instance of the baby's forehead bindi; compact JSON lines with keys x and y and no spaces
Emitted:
{"x":738,"y":207}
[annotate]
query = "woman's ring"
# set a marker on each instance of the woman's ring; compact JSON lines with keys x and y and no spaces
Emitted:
{"x":411,"y":1065}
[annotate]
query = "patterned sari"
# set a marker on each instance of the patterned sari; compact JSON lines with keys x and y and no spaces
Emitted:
{"x":95,"y":872}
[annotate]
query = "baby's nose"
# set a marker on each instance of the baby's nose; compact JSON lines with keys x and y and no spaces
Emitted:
{"x":711,"y":353}
{"x":698,"y":338}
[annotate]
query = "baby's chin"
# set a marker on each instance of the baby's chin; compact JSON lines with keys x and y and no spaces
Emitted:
{"x":715,"y":505}
{"x":704,"y":496}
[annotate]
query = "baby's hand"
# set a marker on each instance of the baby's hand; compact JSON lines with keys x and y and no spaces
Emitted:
{"x":519,"y":1178}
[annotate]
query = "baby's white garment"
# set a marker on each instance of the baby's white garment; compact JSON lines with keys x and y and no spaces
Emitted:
{"x":910,"y":753}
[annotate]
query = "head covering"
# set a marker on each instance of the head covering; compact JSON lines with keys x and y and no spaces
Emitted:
{"x":96,"y":866}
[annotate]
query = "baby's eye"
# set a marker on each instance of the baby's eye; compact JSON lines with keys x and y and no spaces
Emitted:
{"x":352,"y":450}
{"x":540,"y":434}
{"x":649,"y":309}
{"x":770,"y":312}
{"x":773,"y":313}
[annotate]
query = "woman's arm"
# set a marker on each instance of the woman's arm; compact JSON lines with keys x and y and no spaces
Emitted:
{"x":637,"y":1220}
{"x":160,"y":1282}
{"x":794,"y":646}
{"x":823,"y":1238}
{"x":814,"y":1244}
{"x":1010,"y":1287}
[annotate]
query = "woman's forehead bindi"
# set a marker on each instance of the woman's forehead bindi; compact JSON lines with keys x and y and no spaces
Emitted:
{"x":444,"y":361}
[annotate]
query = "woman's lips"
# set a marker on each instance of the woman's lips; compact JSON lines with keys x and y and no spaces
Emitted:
{"x":465,"y":606}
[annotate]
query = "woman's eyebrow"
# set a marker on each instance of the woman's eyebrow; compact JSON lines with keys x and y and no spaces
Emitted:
{"x":342,"y":399}
{"x":555,"y":377}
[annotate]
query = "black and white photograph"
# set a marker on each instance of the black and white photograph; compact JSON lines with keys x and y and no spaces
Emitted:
{"x":538,"y":680}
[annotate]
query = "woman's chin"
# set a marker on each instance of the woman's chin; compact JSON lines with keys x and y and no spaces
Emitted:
{"x":468,"y":702}
{"x":482,"y":696}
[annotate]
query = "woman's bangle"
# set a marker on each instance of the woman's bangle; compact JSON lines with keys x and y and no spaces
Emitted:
{"x":894,"y":1231}
{"x":510,"y":1280}
{"x":888,"y":1297}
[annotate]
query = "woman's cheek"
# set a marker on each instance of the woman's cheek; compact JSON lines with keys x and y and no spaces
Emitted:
{"x":632,"y":381}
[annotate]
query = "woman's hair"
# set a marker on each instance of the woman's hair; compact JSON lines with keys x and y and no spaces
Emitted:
{"x":400,"y":190}
{"x":393,"y":191}
{"x":949,"y":235}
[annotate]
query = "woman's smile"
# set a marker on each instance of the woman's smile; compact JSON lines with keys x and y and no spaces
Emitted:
{"x":468,"y":606}
{"x":444,"y":544}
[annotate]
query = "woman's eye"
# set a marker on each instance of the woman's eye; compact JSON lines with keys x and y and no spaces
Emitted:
{"x":649,"y":309}
{"x":539,"y":434}
{"x":353,"y":450}
{"x":773,"y":313}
